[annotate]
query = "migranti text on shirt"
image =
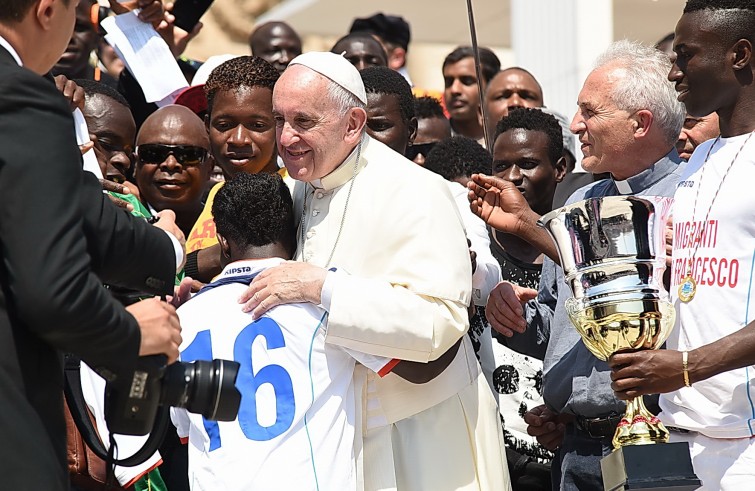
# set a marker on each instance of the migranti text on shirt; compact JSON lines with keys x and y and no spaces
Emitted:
{"x":708,"y":268}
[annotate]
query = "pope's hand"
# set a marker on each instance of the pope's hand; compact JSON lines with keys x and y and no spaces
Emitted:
{"x":289,"y":282}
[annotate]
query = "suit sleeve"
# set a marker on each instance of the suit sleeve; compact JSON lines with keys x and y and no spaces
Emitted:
{"x":125,"y":250}
{"x":52,"y":289}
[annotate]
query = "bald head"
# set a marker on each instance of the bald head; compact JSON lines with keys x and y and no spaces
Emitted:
{"x":173,"y":125}
{"x":172,"y":164}
{"x":276,"y":43}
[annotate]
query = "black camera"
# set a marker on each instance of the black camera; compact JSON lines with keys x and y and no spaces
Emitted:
{"x":204,"y":387}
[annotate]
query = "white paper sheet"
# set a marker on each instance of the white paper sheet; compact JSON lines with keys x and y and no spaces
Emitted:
{"x":82,"y":137}
{"x":146,"y":56}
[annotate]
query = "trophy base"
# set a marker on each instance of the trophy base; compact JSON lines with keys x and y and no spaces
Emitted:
{"x":649,"y":467}
{"x":638,"y":426}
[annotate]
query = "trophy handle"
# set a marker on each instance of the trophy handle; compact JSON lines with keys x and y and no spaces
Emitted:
{"x":638,"y":426}
{"x":585,"y":327}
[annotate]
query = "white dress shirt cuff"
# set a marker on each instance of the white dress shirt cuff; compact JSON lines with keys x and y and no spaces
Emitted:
{"x":326,"y":295}
{"x":180,"y":254}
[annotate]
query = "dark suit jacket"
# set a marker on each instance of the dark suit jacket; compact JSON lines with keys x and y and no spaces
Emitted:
{"x":60,"y":239}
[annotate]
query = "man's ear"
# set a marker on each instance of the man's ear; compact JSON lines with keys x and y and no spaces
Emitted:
{"x":207,"y":122}
{"x":741,"y":54}
{"x":225,"y":248}
{"x":642,"y":121}
{"x":413,"y":124}
{"x":560,"y":169}
{"x":45,"y":10}
{"x":396,"y":58}
{"x":355,"y":125}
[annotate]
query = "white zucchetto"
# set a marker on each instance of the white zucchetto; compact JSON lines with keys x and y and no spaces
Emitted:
{"x":336,"y":68}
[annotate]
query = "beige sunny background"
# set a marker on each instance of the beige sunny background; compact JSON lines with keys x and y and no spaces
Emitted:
{"x":437,"y":25}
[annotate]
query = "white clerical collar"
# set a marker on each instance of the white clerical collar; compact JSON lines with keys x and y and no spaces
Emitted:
{"x":623,"y":187}
{"x":5,"y":44}
{"x":344,"y":172}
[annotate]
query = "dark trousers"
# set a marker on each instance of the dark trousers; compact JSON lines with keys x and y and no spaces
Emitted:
{"x":576,"y":466}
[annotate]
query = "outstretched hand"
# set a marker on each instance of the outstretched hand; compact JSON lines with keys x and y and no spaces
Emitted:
{"x":504,"y":309}
{"x":498,"y":202}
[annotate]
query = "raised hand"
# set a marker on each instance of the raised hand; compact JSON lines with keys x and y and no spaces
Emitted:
{"x":498,"y":202}
{"x":176,"y":38}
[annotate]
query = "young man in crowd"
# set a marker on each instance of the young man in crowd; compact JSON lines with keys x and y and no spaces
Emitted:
{"x":390,"y":108}
{"x":461,"y":95}
{"x":633,"y":139}
{"x":432,"y":127}
{"x":111,"y":128}
{"x":704,"y":374}
{"x":510,"y":88}
{"x":173,"y":164}
{"x":241,"y":129}
{"x":361,"y":49}
{"x":528,"y":153}
{"x":275,"y":42}
{"x":300,"y":435}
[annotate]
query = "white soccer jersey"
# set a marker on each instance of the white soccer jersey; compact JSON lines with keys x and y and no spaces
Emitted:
{"x":295,"y":428}
{"x":719,"y":240}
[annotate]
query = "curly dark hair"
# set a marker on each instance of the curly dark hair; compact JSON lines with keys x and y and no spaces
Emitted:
{"x":255,"y":210}
{"x":383,"y":80}
{"x":244,"y":71}
{"x":457,"y":157}
{"x":489,"y":62}
{"x":534,"y":120}
{"x":427,"y":107}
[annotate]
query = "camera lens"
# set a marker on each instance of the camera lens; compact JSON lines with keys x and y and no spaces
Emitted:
{"x":203,"y":387}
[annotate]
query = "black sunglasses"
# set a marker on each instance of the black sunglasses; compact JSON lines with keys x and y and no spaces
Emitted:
{"x":419,"y":148}
{"x":157,"y":153}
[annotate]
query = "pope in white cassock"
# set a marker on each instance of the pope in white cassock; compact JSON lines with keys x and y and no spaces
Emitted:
{"x":401,"y":290}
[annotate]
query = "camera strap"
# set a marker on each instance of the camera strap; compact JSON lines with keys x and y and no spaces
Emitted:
{"x":77,"y":406}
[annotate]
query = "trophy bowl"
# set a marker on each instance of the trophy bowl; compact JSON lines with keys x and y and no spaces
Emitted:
{"x":613,"y":255}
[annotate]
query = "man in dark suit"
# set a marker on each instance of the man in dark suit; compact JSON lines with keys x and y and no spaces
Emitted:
{"x":60,"y":239}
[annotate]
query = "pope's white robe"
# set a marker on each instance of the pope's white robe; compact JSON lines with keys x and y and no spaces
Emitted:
{"x":404,"y":294}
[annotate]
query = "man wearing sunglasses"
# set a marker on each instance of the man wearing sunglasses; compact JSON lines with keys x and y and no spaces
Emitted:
{"x":172,"y":163}
{"x":432,"y":126}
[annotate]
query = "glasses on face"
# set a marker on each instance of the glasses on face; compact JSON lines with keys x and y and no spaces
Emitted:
{"x":419,"y":148}
{"x":157,"y":153}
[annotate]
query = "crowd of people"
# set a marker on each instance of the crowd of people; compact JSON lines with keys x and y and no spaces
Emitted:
{"x":379,"y":240}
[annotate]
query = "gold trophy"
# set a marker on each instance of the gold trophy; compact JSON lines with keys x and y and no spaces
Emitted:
{"x":613,"y":255}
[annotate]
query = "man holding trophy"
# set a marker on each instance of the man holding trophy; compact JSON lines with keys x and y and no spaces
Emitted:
{"x":627,"y":122}
{"x":705,"y":376}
